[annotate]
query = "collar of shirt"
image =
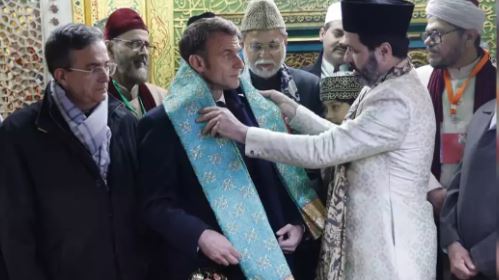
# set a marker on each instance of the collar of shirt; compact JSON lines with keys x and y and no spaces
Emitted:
{"x":463,"y":72}
{"x":327,"y":69}
{"x":221,"y":99}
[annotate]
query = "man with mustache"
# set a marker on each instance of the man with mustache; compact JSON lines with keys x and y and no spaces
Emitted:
{"x":331,"y":56}
{"x":460,"y":79}
{"x":264,"y":47}
{"x":128,"y":46}
{"x":379,"y":224}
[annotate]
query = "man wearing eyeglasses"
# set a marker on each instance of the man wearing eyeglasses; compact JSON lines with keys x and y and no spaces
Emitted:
{"x":264,"y":47}
{"x":129,"y":47}
{"x":460,"y":78}
{"x":67,"y":172}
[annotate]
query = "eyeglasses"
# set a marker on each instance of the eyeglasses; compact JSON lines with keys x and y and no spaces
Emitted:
{"x":272,"y":46}
{"x":108,"y":69}
{"x":435,"y":35}
{"x":136,"y":44}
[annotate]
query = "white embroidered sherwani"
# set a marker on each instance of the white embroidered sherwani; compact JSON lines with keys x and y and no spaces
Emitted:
{"x":390,"y":233}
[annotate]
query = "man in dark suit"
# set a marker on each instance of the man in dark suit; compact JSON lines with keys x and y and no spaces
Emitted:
{"x":264,"y":47}
{"x":3,"y":270}
{"x":469,"y":216}
{"x":333,"y":51}
{"x":68,"y":202}
{"x":192,"y":219}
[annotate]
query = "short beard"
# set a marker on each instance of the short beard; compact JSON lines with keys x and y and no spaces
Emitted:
{"x":450,"y":60}
{"x":265,"y":74}
{"x":369,"y":73}
{"x":133,"y":74}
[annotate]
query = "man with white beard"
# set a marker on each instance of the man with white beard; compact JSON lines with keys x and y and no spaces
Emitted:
{"x":264,"y":46}
{"x":128,"y":45}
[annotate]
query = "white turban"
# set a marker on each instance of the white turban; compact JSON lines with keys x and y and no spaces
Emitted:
{"x":333,"y":12}
{"x":461,"y":13}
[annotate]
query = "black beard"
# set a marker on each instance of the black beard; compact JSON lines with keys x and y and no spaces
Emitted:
{"x":369,"y":73}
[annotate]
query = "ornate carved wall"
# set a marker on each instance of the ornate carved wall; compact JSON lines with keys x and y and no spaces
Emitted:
{"x":24,"y":24}
{"x":21,"y":63}
{"x":158,"y":15}
{"x":167,"y":20}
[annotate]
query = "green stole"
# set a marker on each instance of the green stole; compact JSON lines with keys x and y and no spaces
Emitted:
{"x":226,"y":183}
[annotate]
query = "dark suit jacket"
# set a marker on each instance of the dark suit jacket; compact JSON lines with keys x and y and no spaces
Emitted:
{"x":315,"y":68}
{"x":58,"y":218}
{"x":3,"y":270}
{"x":173,"y":200}
{"x":308,"y":88}
{"x":469,"y":213}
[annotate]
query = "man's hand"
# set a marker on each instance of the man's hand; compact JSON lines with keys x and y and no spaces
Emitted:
{"x":221,"y":122}
{"x":217,"y":248}
{"x":437,"y":197}
{"x":461,"y":264}
{"x":287,"y":105}
{"x":289,"y":237}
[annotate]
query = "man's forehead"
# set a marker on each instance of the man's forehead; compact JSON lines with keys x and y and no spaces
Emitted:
{"x":265,"y":36}
{"x":335,"y":25}
{"x":223,"y":41}
{"x":351,"y":38}
{"x":94,"y":53}
{"x":437,"y":24}
{"x":135,"y":34}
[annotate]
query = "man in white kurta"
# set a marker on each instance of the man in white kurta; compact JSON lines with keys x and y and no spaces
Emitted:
{"x":452,"y":39}
{"x":386,"y":145}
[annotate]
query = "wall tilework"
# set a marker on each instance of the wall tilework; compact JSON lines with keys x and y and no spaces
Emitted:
{"x":24,"y":24}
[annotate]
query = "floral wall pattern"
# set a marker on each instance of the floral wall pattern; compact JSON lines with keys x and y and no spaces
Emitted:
{"x":21,"y":57}
{"x":23,"y":24}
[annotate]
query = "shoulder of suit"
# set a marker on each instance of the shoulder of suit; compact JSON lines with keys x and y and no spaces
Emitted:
{"x":304,"y":75}
{"x":488,"y":106}
{"x":22,"y":118}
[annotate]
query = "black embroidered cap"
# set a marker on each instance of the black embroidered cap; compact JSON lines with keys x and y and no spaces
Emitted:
{"x":386,"y":17}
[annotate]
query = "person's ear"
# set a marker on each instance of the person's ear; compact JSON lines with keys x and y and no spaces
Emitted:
{"x":197,"y":63}
{"x":322,"y":33}
{"x":60,"y":75}
{"x":470,"y":36}
{"x":383,"y":52}
{"x":110,"y":50}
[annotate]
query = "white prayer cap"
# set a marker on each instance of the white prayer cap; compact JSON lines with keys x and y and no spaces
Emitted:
{"x":333,"y":12}
{"x":461,"y":13}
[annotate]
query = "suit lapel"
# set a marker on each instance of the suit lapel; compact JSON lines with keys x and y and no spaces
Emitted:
{"x":479,"y":127}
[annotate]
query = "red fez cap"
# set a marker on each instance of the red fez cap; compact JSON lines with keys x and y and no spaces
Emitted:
{"x":121,"y":21}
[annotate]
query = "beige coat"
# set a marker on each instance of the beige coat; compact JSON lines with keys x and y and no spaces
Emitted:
{"x":389,"y":227}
